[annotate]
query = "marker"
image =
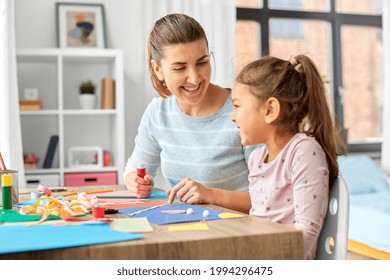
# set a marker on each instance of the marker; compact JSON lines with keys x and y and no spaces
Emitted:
{"x":141,"y":170}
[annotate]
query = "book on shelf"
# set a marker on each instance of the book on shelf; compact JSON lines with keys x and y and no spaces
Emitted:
{"x":108,"y":98}
{"x":30,"y":105}
{"x":50,"y":152}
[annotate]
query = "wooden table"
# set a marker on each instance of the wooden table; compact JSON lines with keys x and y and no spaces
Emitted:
{"x":240,"y":238}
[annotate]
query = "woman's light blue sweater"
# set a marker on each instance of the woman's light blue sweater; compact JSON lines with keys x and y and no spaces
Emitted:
{"x":205,"y":149}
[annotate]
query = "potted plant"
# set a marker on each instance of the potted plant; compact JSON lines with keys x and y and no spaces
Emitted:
{"x":87,"y":95}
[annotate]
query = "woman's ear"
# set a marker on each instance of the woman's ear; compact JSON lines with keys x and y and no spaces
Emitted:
{"x":157,"y":70}
{"x":272,"y":106}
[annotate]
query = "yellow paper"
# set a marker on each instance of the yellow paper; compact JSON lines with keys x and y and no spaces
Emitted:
{"x":196,"y":226}
{"x":229,"y":215}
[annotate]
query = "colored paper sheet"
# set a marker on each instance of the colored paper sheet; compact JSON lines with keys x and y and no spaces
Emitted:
{"x":188,"y":227}
{"x":137,"y":204}
{"x":121,"y":196}
{"x":22,"y":239}
{"x":126,"y":194}
{"x":229,"y":215}
{"x":156,"y":216}
{"x":132,"y":225}
{"x":11,"y":216}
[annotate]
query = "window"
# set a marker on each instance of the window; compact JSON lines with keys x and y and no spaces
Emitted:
{"x":328,"y":32}
{"x":286,"y":28}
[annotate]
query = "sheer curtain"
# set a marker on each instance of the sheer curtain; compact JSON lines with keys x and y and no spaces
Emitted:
{"x":386,"y":88}
{"x":10,"y":132}
{"x":217,"y":18}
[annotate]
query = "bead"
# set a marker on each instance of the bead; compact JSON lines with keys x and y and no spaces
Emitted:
{"x":205,"y":213}
{"x":190,"y":211}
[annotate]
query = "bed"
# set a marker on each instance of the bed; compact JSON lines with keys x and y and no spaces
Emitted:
{"x":369,"y":216}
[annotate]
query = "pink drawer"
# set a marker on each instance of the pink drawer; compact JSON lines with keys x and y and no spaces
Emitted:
{"x":90,"y":179}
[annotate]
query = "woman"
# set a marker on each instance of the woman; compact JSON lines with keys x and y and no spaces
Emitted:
{"x":187,"y":131}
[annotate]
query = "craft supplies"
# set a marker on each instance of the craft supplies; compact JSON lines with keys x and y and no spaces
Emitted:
{"x":4,"y":170}
{"x":144,"y":210}
{"x":36,"y":195}
{"x":88,"y":192}
{"x":141,"y":170}
{"x":189,"y":211}
{"x":6,"y":190}
{"x":2,"y":164}
{"x":44,"y":189}
{"x":98,"y":211}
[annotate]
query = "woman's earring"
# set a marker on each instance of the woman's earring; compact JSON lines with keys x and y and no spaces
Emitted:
{"x":163,"y":83}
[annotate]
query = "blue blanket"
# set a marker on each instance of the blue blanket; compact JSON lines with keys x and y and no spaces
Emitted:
{"x":369,"y":215}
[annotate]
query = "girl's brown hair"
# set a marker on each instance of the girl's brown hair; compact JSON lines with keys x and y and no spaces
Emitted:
{"x":169,"y":30}
{"x":299,"y":88}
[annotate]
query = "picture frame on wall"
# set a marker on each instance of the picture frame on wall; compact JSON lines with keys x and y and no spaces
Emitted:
{"x":81,"y":25}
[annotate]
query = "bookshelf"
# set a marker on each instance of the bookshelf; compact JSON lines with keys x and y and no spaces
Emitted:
{"x":56,"y":74}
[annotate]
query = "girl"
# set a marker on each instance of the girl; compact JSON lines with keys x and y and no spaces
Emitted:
{"x":187,"y":131}
{"x":283,"y":104}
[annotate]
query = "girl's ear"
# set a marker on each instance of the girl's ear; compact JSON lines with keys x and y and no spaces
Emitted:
{"x":157,"y":70}
{"x":272,"y":106}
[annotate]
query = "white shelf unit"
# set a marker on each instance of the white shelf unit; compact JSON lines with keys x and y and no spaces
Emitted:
{"x":57,"y":73}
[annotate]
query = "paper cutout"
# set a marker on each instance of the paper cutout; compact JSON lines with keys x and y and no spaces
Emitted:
{"x":229,"y":215}
{"x":174,"y":211}
{"x":12,"y":216}
{"x":155,"y":216}
{"x":144,"y":210}
{"x":21,"y":238}
{"x":185,"y":227}
{"x":131,"y":225}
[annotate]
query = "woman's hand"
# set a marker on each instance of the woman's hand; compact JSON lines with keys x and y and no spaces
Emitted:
{"x":190,"y":192}
{"x":137,"y":186}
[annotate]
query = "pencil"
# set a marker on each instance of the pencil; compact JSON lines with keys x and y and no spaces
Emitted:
{"x":2,"y":167}
{"x":88,"y":192}
{"x":116,"y":196}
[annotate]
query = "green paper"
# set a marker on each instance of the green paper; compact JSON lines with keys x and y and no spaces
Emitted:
{"x":132,"y":225}
{"x":12,"y":216}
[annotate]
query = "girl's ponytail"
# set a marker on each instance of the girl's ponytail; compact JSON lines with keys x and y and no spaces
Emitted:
{"x":319,"y":121}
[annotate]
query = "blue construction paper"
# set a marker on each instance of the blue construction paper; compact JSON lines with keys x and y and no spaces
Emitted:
{"x":44,"y":237}
{"x":155,"y":195}
{"x":155,"y":216}
{"x":158,"y":195}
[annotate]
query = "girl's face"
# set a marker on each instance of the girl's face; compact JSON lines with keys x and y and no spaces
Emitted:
{"x":186,"y":70}
{"x":249,"y":115}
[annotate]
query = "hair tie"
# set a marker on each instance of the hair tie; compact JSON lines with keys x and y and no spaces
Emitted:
{"x":297,"y":66}
{"x":293,"y":61}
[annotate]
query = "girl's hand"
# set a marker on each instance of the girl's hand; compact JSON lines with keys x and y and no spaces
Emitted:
{"x":190,"y":192}
{"x":137,"y":186}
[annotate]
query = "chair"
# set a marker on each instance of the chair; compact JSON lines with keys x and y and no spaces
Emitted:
{"x":335,"y":229}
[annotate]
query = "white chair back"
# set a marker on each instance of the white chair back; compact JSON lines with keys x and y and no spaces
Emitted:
{"x":336,"y":224}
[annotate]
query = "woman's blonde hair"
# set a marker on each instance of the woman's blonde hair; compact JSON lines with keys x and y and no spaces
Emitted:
{"x":169,"y":30}
{"x":299,"y":88}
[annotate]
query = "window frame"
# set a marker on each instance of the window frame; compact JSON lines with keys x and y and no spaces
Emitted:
{"x":336,"y":20}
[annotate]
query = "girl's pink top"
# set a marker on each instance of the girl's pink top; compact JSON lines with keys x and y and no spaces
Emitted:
{"x":293,"y":188}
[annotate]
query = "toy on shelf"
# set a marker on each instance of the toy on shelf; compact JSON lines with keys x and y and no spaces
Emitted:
{"x":30,"y":161}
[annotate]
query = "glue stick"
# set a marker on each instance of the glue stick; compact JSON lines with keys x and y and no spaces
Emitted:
{"x":6,"y":191}
{"x":141,"y":170}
